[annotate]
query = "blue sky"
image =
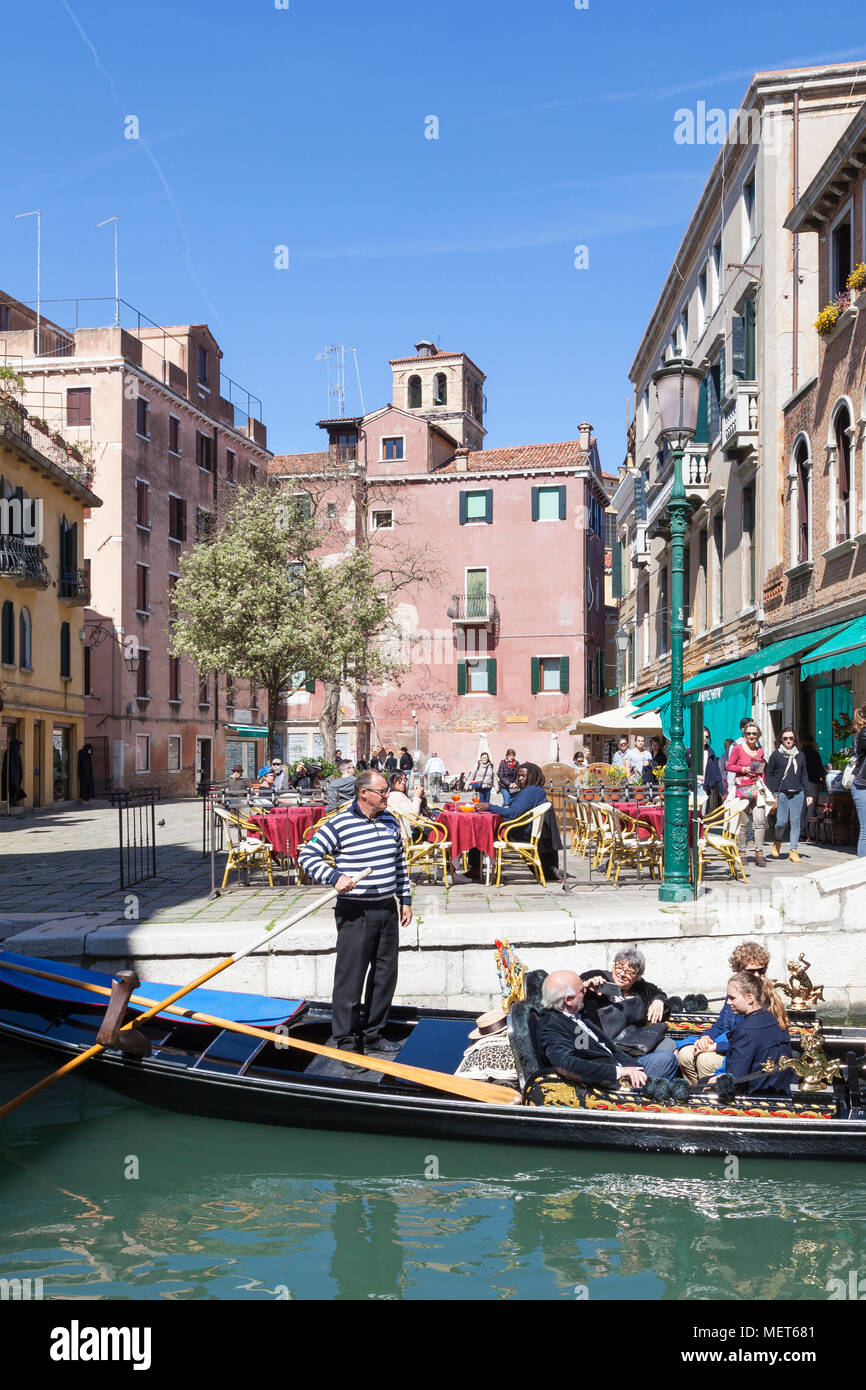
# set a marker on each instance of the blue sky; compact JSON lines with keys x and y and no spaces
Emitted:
{"x":305,"y":127}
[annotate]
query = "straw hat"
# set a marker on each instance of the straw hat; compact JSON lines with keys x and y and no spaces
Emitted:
{"x":488,"y":1025}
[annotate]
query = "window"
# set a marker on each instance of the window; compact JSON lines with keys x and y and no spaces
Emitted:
{"x":683,"y":335}
{"x":142,"y":417}
{"x":477,"y":603}
{"x":172,"y":607}
{"x":550,"y":673}
{"x":596,"y":515}
{"x":174,"y":679}
{"x":703,"y":579}
{"x":718,"y":272}
{"x":383,"y":521}
{"x":440,"y":389}
{"x":346,"y":447}
{"x":331,"y":511}
{"x":141,"y":589}
{"x":142,"y":507}
{"x":842,"y":426}
{"x":702,"y":302}
{"x":663,"y":614}
{"x":78,"y":405}
{"x":204,"y":690}
{"x":174,"y":752}
{"x":392,"y":448}
{"x":414,"y":393}
{"x":802,"y":549}
{"x":65,"y":652}
{"x":254,"y":699}
{"x":743,"y":343}
{"x":304,"y":504}
{"x":142,"y":675}
{"x":718,"y":571}
{"x":749,"y":578}
{"x":840,"y":253}
{"x":202,"y":366}
{"x":204,"y":451}
{"x":476,"y":677}
{"x":142,"y":752}
{"x":600,"y":683}
{"x":7,"y":638}
{"x":254,"y":473}
{"x":610,"y":536}
{"x":715,"y":389}
{"x":230,"y":466}
{"x":230,"y":692}
{"x":88,"y":677}
{"x":205,"y":523}
{"x":548,"y":503}
{"x":476,"y":507}
{"x":173,"y":435}
{"x":749,"y":221}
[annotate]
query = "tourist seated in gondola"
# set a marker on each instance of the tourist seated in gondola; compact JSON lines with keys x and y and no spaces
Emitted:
{"x":701,"y":1056}
{"x":761,"y":1035}
{"x":580,"y":1052}
{"x":628,"y":1009}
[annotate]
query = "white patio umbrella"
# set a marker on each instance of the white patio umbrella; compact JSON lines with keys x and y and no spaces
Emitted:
{"x":554,"y":747}
{"x":627,"y":719}
{"x":483,"y":746}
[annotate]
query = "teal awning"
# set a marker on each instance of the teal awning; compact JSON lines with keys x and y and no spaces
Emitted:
{"x":846,"y":648}
{"x":648,"y":702}
{"x":747,"y":667}
{"x":248,"y":730}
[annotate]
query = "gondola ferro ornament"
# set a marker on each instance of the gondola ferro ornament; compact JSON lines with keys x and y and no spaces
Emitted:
{"x":815,"y":1069}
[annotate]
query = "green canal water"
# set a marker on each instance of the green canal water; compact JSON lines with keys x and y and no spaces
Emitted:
{"x":221,"y":1210}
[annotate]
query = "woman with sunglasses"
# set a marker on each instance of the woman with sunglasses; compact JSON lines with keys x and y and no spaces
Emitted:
{"x":747,"y":763}
{"x":701,"y":1057}
{"x":788,"y":779}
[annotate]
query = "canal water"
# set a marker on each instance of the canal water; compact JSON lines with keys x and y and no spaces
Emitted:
{"x":101,"y":1197}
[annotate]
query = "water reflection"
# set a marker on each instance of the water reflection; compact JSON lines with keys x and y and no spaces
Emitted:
{"x":222,"y":1210}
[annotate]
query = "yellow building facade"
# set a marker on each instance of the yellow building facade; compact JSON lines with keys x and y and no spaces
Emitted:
{"x":44,"y":588}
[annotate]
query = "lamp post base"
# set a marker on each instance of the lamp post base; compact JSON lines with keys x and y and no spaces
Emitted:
{"x":675,"y":893}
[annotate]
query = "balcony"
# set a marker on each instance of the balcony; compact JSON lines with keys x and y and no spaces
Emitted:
{"x":74,"y":587}
{"x":639,"y":552}
{"x":477,"y":609}
{"x":24,"y":563}
{"x":696,"y":482}
{"x":740,"y":420}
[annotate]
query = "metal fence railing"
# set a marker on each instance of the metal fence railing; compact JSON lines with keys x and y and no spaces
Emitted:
{"x":136,"y":810}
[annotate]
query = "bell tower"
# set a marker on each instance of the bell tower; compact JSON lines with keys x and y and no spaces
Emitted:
{"x":446,"y":388}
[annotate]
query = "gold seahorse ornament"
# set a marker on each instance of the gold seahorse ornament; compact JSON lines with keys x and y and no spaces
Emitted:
{"x":815,"y":1069}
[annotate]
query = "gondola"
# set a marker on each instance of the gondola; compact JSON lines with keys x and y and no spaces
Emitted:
{"x":198,"y":1069}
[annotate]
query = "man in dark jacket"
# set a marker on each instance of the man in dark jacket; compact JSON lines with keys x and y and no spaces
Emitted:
{"x":787,"y":778}
{"x":390,"y":763}
{"x":577,"y":1050}
{"x":407,"y":762}
{"x":713,"y":781}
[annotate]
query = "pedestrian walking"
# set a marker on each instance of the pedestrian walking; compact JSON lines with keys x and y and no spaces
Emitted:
{"x":482,"y":777}
{"x":435,"y":771}
{"x":507,"y":775}
{"x":368,"y":914}
{"x":747,"y":765}
{"x":858,"y":786}
{"x":788,"y":780}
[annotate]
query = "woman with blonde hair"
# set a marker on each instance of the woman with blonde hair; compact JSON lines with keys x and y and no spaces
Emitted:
{"x":858,"y":787}
{"x":761,"y":1035}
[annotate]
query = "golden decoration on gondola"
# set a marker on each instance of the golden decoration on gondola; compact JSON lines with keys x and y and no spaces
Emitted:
{"x":815,"y":1069}
{"x":512,"y":974}
{"x":799,"y":989}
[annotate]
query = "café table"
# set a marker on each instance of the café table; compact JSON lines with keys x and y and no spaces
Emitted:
{"x":468,"y":830}
{"x":653,"y":817}
{"x":284,"y":826}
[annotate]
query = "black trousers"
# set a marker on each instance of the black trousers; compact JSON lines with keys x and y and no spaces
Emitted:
{"x":368,"y":940}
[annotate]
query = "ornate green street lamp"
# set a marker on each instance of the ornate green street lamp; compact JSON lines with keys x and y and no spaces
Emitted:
{"x":678,"y":387}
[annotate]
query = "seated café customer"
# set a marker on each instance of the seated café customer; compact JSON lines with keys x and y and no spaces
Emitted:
{"x":342,"y":787}
{"x":263,"y":794}
{"x":302,"y":780}
{"x":401,"y":804}
{"x":530,"y":792}
{"x":281,"y":776}
{"x":700,"y":1057}
{"x":237,"y":782}
{"x":578,"y":1051}
{"x":761,"y":1035}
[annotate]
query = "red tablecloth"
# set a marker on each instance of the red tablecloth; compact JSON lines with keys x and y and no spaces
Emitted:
{"x":648,"y":815}
{"x":470,"y":830}
{"x":285,"y":825}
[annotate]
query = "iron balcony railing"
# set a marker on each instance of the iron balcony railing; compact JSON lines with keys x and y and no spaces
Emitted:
{"x":473,"y":608}
{"x":75,"y":585}
{"x":23,"y":562}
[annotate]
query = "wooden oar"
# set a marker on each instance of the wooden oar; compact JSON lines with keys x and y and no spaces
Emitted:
{"x":178,"y":994}
{"x":466,"y":1087}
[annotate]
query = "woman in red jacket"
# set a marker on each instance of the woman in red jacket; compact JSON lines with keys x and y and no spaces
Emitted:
{"x":747,"y":762}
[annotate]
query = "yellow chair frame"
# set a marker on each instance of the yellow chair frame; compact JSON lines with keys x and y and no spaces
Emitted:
{"x":522,"y":851}
{"x":246,"y":854}
{"x":629,"y":849}
{"x":726,"y":820}
{"x":424,"y":853}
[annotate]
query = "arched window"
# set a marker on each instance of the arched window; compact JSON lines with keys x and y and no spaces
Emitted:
{"x":24,"y":639}
{"x":440,"y":389}
{"x":802,"y":482}
{"x":414,"y":393}
{"x":842,"y":425}
{"x":7,"y":634}
{"x":65,"y":651}
{"x":479,"y":403}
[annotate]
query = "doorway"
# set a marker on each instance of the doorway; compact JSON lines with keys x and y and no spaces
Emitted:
{"x":202,"y":760}
{"x":37,"y":761}
{"x":61,"y":757}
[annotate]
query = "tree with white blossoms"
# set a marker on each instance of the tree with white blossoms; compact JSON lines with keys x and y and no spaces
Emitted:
{"x":239,"y":605}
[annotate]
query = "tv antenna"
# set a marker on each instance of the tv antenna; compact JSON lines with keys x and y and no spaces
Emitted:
{"x":335,"y":356}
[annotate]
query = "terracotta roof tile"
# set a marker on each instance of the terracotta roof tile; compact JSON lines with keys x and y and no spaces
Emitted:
{"x":316,"y":462}
{"x":563,"y":455}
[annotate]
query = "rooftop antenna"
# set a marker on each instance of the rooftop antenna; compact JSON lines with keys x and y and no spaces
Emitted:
{"x":37,"y":213}
{"x":358,"y":375}
{"x":104,"y":223}
{"x":338,"y":389}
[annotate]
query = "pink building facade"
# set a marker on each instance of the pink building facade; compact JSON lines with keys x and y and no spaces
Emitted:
{"x":504,"y":643}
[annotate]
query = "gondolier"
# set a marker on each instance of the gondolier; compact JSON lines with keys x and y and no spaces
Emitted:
{"x":368,"y":924}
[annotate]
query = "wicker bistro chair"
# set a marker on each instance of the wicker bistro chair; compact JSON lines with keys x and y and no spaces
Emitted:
{"x":717,"y":839}
{"x":582,"y":831}
{"x":425,"y":853}
{"x":602,"y":831}
{"x":247,"y":845}
{"x":522,"y":851}
{"x":630,"y":848}
{"x":308,"y":835}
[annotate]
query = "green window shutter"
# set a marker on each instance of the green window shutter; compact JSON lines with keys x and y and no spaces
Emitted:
{"x":751,"y":345}
{"x":535,"y":518}
{"x":461,"y":678}
{"x":563,"y":674}
{"x":562,"y":504}
{"x":310,"y":686}
{"x":489,"y":499}
{"x":702,"y":435}
{"x":616,"y":575}
{"x":535,"y":668}
{"x":463,"y":509}
{"x":738,"y":345}
{"x":65,"y":653}
{"x":600,"y":681}
{"x":491,"y":675}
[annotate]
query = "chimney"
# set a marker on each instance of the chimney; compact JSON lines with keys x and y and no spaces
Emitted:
{"x":584,"y":431}
{"x":425,"y":348}
{"x":461,"y":460}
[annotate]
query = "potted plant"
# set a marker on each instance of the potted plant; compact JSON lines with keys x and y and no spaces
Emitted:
{"x":831,"y":313}
{"x":857,"y":279}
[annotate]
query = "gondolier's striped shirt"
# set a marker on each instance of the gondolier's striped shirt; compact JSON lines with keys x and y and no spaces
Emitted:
{"x":355,"y":841}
